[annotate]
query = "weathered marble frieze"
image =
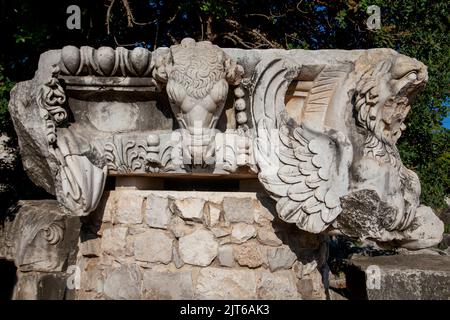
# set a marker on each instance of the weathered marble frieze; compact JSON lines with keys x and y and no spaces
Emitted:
{"x":317,"y":128}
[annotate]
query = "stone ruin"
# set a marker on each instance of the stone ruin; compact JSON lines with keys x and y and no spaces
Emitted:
{"x":196,"y":172}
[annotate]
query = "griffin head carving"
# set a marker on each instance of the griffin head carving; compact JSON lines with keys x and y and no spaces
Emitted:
{"x":384,"y":94}
{"x":338,"y":169}
{"x":384,"y":194}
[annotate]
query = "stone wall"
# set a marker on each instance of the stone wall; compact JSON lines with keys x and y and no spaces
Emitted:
{"x":195,"y":245}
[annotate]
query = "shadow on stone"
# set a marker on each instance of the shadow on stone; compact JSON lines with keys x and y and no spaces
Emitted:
{"x":8,"y":279}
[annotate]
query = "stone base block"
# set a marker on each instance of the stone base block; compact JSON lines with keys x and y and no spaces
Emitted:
{"x":195,"y":245}
{"x":400,"y":277}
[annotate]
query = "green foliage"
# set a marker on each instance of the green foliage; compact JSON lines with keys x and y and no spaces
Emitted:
{"x":420,"y":29}
{"x":5,"y":87}
{"x":213,"y":8}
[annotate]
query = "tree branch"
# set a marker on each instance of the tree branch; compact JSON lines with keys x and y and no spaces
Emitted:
{"x":108,"y":15}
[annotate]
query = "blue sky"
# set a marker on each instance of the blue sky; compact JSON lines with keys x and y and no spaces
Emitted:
{"x":446,"y":123}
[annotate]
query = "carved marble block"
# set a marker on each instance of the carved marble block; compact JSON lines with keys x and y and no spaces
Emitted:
{"x":317,"y":128}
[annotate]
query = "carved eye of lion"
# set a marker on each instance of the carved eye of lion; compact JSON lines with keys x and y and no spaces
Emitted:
{"x":412,"y":76}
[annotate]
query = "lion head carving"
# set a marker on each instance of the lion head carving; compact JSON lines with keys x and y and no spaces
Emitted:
{"x":383,"y":97}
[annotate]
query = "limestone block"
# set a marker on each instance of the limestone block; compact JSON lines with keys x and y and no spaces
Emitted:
{"x":427,"y":232}
{"x":180,"y":228}
{"x":238,"y":209}
{"x":153,"y":245}
{"x":129,"y":208}
{"x":106,"y":206}
{"x":248,"y":255}
{"x":226,"y":258}
{"x":212,"y":214}
{"x":304,"y":269}
{"x":267,"y":236}
{"x":280,"y":285}
{"x":168,"y":285}
{"x":189,"y":208}
{"x":199,"y":248}
{"x":114,"y":240}
{"x":91,"y":247}
{"x":123,"y":283}
{"x":219,"y":283}
{"x":157,"y":213}
{"x":242,"y":232}
{"x":220,"y":232}
{"x":92,"y":278}
{"x":399,"y":277}
{"x":176,"y":258}
{"x":320,"y":104}
{"x":264,"y":212}
{"x":311,"y":287}
{"x":280,"y":258}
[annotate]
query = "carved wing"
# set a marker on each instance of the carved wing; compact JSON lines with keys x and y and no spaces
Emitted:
{"x":303,"y":167}
{"x":308,"y":174}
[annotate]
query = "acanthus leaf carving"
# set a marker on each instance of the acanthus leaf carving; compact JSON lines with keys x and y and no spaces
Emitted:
{"x":121,"y":155}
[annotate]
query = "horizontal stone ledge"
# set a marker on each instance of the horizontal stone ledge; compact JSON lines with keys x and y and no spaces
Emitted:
{"x":186,"y":175}
{"x":119,"y":83}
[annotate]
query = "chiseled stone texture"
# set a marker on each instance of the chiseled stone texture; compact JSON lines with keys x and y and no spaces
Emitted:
{"x":279,"y":285}
{"x":212,"y":214}
{"x":366,"y":92}
{"x":248,"y":254}
{"x":153,"y":246}
{"x":241,"y":232}
{"x":280,"y":258}
{"x":189,"y":208}
{"x":225,"y":256}
{"x":168,"y":285}
{"x":267,"y":236}
{"x":199,"y":248}
{"x":114,"y":240}
{"x":128,"y":209}
{"x":123,"y":283}
{"x":157,"y":213}
{"x":238,"y":209}
{"x":219,"y":283}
